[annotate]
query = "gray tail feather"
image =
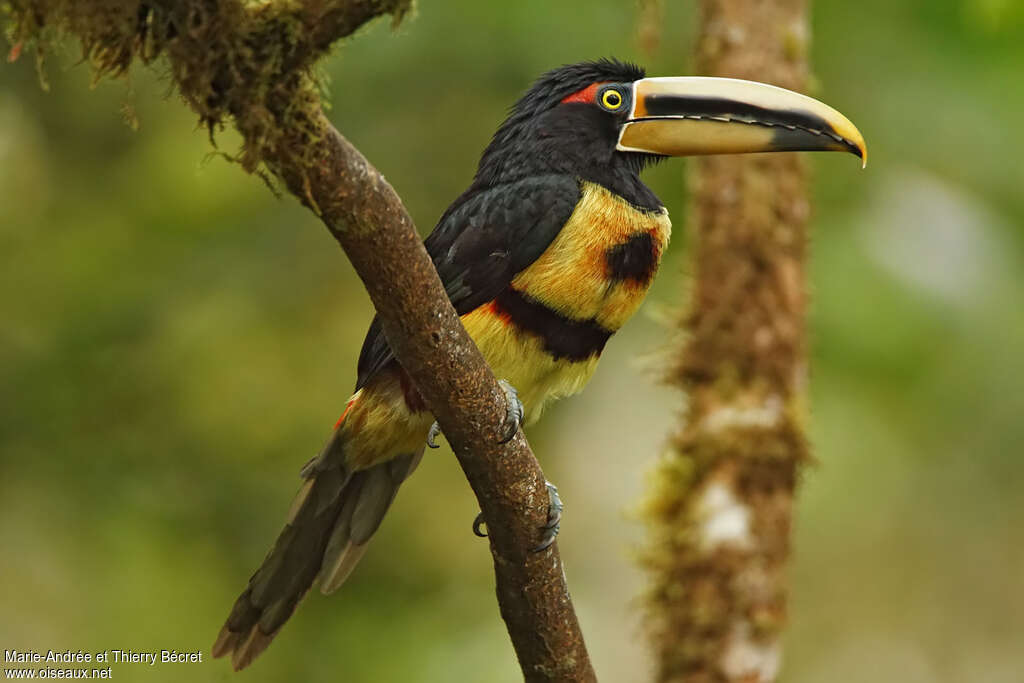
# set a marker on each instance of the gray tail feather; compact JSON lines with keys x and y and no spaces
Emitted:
{"x":333,"y":517}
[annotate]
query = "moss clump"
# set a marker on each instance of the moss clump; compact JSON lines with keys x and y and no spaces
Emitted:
{"x":240,"y":60}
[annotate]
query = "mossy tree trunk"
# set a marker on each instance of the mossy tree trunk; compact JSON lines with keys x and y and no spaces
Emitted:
{"x":721,"y":509}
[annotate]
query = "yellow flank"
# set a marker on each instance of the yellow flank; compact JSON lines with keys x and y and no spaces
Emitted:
{"x":571,"y":275}
{"x":379,"y":424}
{"x":520,"y":359}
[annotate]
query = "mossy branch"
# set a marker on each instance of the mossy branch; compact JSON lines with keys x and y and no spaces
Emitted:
{"x":251,"y":64}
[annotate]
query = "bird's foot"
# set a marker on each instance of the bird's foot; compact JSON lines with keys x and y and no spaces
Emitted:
{"x":550,"y":528}
{"x":435,"y":430}
{"x":513,"y":410}
{"x":477,"y":523}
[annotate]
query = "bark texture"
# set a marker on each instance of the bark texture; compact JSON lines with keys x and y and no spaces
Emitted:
{"x":250,"y":64}
{"x":721,"y":507}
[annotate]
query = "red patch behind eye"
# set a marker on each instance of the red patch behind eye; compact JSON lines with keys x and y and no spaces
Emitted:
{"x":586,"y":95}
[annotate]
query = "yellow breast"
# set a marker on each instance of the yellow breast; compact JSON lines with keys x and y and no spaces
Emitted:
{"x":592,"y":278}
{"x":575,"y":276}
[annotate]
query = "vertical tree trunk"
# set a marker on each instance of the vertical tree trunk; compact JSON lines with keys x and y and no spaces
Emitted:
{"x":722,"y":501}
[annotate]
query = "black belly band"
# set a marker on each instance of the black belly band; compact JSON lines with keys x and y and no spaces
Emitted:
{"x":562,"y":337}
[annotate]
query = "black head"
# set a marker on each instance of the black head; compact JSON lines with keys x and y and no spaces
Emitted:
{"x":567,"y":123}
{"x":603,"y":121}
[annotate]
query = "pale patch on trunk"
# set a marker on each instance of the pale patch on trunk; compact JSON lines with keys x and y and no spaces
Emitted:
{"x":724,"y":519}
{"x":732,"y":416}
{"x":748,"y":660}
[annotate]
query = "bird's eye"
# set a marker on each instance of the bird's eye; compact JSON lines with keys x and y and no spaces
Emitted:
{"x":611,"y":99}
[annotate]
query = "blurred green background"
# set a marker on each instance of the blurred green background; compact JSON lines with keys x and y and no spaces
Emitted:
{"x":175,"y":342}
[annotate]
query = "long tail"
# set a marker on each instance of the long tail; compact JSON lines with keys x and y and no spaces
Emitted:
{"x":333,"y":517}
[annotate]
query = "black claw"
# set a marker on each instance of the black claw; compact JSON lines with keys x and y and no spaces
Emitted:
{"x":553,"y":520}
{"x":545,"y":544}
{"x":514,"y":411}
{"x":551,"y":528}
{"x":435,"y":429}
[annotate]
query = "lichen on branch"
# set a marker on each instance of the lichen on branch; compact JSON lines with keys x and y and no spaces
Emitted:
{"x":245,"y":62}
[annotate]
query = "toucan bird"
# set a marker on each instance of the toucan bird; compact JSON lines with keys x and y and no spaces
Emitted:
{"x":549,"y":251}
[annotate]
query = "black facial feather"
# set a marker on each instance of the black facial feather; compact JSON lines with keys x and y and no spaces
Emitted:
{"x":550,"y":89}
{"x":543,"y":136}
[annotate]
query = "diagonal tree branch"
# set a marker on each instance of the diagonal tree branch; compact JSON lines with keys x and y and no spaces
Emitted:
{"x":427,"y":337}
{"x":250,"y":64}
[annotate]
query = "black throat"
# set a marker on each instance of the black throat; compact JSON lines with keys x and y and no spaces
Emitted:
{"x":544,"y":136}
{"x":576,"y":140}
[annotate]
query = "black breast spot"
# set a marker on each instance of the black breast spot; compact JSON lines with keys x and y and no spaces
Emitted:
{"x":634,"y":260}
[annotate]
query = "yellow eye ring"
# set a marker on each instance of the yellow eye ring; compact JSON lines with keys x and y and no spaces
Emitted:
{"x":611,"y":99}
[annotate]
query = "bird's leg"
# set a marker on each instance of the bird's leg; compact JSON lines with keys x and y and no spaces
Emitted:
{"x":477,"y":523}
{"x":514,"y":418}
{"x":435,"y":429}
{"x":555,"y":508}
{"x":514,"y":413}
{"x":550,"y":528}
{"x":513,"y":410}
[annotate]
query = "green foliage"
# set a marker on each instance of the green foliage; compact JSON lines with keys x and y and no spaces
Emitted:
{"x":175,"y":343}
{"x":247,"y":61}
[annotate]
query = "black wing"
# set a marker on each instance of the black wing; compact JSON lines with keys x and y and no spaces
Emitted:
{"x":481,"y":243}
